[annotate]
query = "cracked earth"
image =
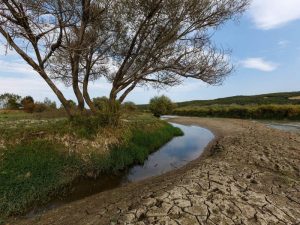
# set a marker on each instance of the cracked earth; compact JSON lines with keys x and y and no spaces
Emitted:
{"x":250,"y":174}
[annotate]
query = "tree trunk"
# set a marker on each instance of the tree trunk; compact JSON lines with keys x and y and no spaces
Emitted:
{"x":58,"y":93}
{"x":75,"y":85}
{"x":87,"y":96}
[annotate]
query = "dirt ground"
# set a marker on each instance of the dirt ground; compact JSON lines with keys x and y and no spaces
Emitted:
{"x":250,"y":174}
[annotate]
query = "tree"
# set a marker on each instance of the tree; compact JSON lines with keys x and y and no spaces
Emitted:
{"x":85,"y":43}
{"x":49,"y":104}
{"x":129,"y":42}
{"x":162,"y":42}
{"x":154,"y":42}
{"x":28,"y":104}
{"x":161,"y":106}
{"x":10,"y":101}
{"x":35,"y":30}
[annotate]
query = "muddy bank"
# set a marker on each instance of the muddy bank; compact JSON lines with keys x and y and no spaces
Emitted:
{"x":249,"y":175}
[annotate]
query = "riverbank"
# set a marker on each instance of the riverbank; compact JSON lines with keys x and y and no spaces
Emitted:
{"x":37,"y":165}
{"x":249,"y":175}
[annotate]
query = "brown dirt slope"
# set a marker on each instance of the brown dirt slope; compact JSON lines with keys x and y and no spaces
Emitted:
{"x":249,"y":175}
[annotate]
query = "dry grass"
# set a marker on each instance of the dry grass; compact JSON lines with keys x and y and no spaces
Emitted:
{"x":295,"y":98}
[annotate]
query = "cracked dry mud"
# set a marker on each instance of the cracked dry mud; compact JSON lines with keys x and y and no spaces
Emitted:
{"x":249,"y":175}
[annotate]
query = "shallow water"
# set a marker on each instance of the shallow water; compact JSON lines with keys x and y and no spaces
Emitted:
{"x":176,"y":153}
{"x":291,"y":126}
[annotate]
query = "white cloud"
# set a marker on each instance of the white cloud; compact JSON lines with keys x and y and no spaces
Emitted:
{"x":259,"y":64}
{"x":269,"y":14}
{"x":15,"y":67}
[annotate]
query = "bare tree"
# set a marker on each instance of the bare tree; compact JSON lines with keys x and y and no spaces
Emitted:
{"x":163,"y":41}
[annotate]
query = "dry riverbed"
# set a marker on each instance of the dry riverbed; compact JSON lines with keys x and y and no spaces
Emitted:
{"x":249,"y":175}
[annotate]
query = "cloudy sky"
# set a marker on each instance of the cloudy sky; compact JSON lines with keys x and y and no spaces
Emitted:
{"x":265,"y":46}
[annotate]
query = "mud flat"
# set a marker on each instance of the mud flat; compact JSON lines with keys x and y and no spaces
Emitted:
{"x":250,"y":174}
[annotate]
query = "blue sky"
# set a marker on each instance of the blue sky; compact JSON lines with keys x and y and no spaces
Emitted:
{"x":265,"y":45}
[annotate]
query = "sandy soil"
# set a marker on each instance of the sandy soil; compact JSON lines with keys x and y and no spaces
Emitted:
{"x":249,"y":175}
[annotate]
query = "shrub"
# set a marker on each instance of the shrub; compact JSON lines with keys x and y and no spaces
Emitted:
{"x":161,"y":106}
{"x":39,"y":107}
{"x":129,"y":106}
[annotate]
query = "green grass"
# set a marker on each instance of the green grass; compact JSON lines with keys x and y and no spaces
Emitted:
{"x":277,"y":112}
{"x":35,"y":171}
{"x":136,"y":151}
{"x":13,"y":115}
{"x":32,"y":174}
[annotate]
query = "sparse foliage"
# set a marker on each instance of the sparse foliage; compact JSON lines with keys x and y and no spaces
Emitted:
{"x":131,"y":43}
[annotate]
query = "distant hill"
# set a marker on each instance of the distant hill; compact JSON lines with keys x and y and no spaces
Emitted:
{"x":264,"y":99}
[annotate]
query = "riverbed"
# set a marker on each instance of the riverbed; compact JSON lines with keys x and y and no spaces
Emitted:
{"x":252,"y":178}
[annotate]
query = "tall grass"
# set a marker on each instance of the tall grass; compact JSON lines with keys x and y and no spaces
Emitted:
{"x":136,"y":151}
{"x":278,"y":112}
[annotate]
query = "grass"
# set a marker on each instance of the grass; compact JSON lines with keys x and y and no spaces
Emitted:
{"x":277,"y":112}
{"x":13,"y":115}
{"x":140,"y":144}
{"x":33,"y":174}
{"x":36,"y":170}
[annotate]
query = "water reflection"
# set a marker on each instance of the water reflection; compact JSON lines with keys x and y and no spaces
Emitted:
{"x":174,"y":154}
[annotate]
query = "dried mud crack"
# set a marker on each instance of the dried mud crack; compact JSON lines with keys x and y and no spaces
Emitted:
{"x":249,"y":175}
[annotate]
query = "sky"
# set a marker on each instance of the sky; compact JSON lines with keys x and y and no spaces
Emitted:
{"x":265,"y":49}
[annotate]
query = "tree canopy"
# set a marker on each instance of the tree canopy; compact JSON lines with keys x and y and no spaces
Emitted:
{"x":130,"y":43}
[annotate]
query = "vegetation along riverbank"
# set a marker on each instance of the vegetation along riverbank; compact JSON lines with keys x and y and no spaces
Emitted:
{"x":40,"y":159}
{"x":277,"y":112}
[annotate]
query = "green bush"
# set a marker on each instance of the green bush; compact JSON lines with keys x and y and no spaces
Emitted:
{"x":108,"y":111}
{"x":129,"y":106}
{"x":161,"y":106}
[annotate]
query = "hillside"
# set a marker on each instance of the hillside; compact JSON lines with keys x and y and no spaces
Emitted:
{"x":265,"y":99}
